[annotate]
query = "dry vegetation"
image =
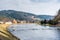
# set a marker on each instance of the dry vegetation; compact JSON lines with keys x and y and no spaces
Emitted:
{"x":4,"y":34}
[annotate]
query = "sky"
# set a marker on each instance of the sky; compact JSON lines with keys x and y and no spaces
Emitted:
{"x":38,"y":7}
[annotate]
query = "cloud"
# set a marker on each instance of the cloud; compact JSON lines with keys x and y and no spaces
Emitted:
{"x":40,"y":0}
{"x":49,"y":8}
{"x":8,"y":4}
{"x":58,"y":1}
{"x":45,"y":1}
{"x":38,"y":7}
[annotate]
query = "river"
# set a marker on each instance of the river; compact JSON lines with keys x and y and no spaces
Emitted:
{"x":34,"y":32}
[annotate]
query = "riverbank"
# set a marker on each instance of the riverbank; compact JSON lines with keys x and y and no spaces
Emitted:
{"x":5,"y":34}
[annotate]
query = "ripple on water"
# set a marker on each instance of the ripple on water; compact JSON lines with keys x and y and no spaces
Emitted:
{"x":35,"y":32}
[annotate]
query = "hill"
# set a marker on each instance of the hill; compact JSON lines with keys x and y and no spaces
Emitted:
{"x":19,"y":15}
{"x":43,"y":17}
{"x":11,"y":14}
{"x":57,"y":17}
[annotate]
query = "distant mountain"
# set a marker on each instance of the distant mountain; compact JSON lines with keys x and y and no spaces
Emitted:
{"x":12,"y":14}
{"x":43,"y":17}
{"x":19,"y":15}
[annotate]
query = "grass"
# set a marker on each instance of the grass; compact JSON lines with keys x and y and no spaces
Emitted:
{"x":4,"y":34}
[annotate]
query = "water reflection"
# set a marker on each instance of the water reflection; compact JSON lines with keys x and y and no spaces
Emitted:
{"x":58,"y":34}
{"x":35,"y":32}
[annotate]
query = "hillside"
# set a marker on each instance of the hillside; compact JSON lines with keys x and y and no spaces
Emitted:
{"x":19,"y":15}
{"x":47,"y":17}
{"x":57,"y":17}
{"x":11,"y":14}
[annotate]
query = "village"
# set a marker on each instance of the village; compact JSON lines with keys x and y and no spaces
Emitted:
{"x":15,"y":22}
{"x":11,"y":22}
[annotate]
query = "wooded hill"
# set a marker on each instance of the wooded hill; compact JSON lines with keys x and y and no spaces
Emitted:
{"x":19,"y":15}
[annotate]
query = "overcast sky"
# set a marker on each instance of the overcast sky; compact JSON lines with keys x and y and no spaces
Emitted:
{"x":39,"y":7}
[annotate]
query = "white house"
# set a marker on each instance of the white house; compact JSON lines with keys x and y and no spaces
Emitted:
{"x":1,"y":22}
{"x":23,"y":21}
{"x":8,"y":22}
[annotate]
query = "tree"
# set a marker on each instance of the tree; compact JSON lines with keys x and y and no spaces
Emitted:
{"x":42,"y":22}
{"x":45,"y":21}
{"x":52,"y":22}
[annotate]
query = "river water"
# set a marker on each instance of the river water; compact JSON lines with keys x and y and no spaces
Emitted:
{"x":34,"y":32}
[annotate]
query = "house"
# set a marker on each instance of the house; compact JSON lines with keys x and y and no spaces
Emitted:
{"x":8,"y":22}
{"x":14,"y":21}
{"x":23,"y":22}
{"x":1,"y":22}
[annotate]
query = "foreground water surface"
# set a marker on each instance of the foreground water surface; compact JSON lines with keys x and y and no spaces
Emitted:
{"x":34,"y":32}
